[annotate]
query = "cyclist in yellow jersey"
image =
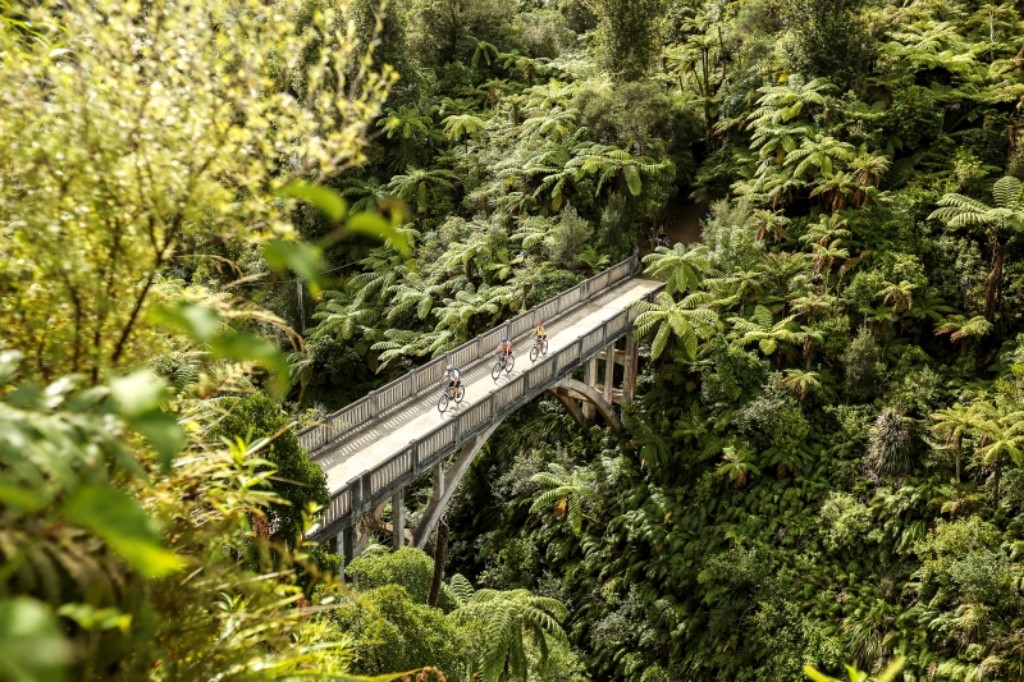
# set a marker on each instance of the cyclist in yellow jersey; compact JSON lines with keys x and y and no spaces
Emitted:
{"x":541,"y":333}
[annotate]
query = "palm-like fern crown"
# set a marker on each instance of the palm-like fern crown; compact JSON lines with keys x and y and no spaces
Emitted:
{"x":957,"y":210}
{"x":682,"y":269}
{"x":509,"y":622}
{"x":562,"y":487}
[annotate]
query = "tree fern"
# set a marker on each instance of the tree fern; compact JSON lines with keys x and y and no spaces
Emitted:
{"x":510,"y":622}
{"x":687,"y":321}
{"x":681,"y":267}
{"x":566,"y":490}
{"x":458,"y":126}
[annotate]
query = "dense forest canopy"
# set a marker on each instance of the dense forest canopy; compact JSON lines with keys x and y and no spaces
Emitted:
{"x":222,"y":220}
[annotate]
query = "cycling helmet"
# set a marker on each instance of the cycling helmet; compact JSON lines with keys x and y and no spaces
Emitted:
{"x":504,"y":339}
{"x":449,"y":368}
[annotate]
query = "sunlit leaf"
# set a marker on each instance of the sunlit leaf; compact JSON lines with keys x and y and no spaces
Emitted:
{"x":124,"y":526}
{"x":374,"y":225}
{"x":200,"y":322}
{"x":31,"y":644}
{"x":89,"y":617}
{"x":817,"y":676}
{"x":163,"y":432}
{"x":20,"y":498}
{"x":138,"y":393}
{"x":303,"y":259}
{"x":324,"y":198}
{"x":9,"y":361}
{"x":251,"y":348}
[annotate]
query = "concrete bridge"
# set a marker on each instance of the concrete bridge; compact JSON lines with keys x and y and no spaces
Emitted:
{"x":372,"y":449}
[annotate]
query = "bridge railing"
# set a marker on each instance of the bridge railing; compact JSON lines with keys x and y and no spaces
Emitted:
{"x":393,"y":395}
{"x":373,"y":486}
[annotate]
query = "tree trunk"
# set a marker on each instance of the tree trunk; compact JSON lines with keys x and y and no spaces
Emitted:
{"x":959,"y":447}
{"x":995,"y":280}
{"x":995,"y":489}
{"x":440,"y":558}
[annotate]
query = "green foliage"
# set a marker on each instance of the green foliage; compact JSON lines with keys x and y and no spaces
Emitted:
{"x":109,"y":112}
{"x":392,"y":631}
{"x":844,"y":521}
{"x":298,"y":481}
{"x":682,"y":268}
{"x":776,"y":469}
{"x":824,"y":30}
{"x":685,"y":321}
{"x":508,"y":624}
{"x":855,"y":675}
{"x":407,"y":568}
{"x":627,"y":35}
{"x":864,"y":369}
{"x":565,"y":492}
{"x":996,"y":224}
{"x":31,"y":644}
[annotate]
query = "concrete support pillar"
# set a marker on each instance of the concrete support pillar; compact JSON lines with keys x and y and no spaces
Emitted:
{"x":609,"y":372}
{"x":590,"y":379}
{"x":631,"y":367}
{"x":439,"y":481}
{"x":398,"y":519}
{"x":346,"y":543}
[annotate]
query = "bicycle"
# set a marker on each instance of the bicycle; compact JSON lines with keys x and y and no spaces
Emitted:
{"x":540,"y":347}
{"x":504,"y":362}
{"x":450,"y":394}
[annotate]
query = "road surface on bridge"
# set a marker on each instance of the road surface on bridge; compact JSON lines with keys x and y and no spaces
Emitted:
{"x":364,"y":449}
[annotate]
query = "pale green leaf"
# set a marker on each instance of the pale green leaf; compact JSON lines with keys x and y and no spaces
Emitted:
{"x":120,"y":522}
{"x":138,"y":394}
{"x":324,"y":198}
{"x":32,"y":647}
{"x":374,"y":225}
{"x":200,"y":322}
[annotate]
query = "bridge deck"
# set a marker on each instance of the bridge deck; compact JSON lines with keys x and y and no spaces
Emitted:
{"x":382,"y":440}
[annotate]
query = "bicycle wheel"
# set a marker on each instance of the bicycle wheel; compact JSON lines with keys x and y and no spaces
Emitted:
{"x":442,"y":402}
{"x":496,"y":370}
{"x":509,"y":364}
{"x":544,"y":350}
{"x":460,"y":393}
{"x":534,"y":352}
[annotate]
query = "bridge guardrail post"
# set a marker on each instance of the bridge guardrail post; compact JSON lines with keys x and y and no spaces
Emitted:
{"x":414,"y":450}
{"x":357,"y":496}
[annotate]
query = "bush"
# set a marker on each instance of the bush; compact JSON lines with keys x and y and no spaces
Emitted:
{"x":844,"y":521}
{"x":890,"y":443}
{"x":299,"y":481}
{"x":409,"y":568}
{"x":545,"y":33}
{"x":392,"y":631}
{"x":569,"y":237}
{"x":864,"y":368}
{"x":775,"y":420}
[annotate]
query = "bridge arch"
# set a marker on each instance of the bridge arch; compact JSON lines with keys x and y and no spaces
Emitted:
{"x":568,"y":391}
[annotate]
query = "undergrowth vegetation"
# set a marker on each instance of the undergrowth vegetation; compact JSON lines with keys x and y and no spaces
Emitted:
{"x":221,"y":220}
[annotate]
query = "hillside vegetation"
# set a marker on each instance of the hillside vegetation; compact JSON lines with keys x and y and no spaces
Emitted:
{"x":220,"y":221}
